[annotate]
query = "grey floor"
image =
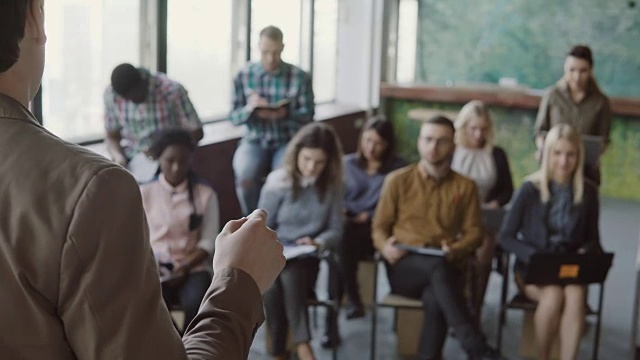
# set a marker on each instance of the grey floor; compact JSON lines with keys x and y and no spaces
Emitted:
{"x":619,"y":226}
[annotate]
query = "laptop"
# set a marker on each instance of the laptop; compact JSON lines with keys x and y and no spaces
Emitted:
{"x":492,"y":219}
{"x":562,"y":269}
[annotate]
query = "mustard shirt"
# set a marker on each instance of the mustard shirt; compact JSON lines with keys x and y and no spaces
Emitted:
{"x":421,"y":211}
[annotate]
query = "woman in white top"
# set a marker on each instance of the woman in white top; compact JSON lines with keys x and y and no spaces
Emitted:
{"x":486,"y":164}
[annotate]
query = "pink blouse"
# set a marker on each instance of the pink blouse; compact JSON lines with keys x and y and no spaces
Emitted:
{"x":168,"y":210}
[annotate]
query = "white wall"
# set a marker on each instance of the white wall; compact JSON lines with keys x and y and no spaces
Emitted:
{"x":359,"y":52}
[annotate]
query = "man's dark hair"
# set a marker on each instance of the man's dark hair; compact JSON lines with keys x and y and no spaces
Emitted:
{"x":165,"y":138}
{"x":582,"y":52}
{"x":13,"y":14}
{"x":273,"y":33}
{"x":441,"y":120}
{"x":124,"y":78}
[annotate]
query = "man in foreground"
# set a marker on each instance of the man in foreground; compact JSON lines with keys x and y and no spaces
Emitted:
{"x":78,"y":276}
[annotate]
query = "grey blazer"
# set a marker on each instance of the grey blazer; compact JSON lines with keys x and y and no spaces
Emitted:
{"x":524,"y":231}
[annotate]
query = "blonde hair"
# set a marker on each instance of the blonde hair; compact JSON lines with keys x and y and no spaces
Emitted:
{"x":316,"y":136}
{"x":474,"y":108}
{"x":541,"y":177}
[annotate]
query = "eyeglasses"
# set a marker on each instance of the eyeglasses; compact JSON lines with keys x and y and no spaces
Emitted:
{"x":438,"y":141}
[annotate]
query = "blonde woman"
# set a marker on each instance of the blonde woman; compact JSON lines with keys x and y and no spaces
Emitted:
{"x":477,"y":158}
{"x":304,"y":203}
{"x":555,"y":210}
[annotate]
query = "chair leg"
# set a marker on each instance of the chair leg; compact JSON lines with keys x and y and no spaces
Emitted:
{"x":374,"y":312}
{"x":596,"y":342}
{"x":503,"y":299}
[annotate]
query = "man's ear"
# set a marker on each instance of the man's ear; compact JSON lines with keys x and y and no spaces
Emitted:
{"x":35,"y":21}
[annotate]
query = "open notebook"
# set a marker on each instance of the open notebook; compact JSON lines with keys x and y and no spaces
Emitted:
{"x":430,"y":251}
{"x":297,"y":251}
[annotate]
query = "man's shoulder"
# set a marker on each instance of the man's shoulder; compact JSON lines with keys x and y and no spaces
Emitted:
{"x":109,"y":94}
{"x":402,"y":174}
{"x":294,"y":70}
{"x":53,"y":173}
{"x":249,"y":67}
{"x":165,"y":85}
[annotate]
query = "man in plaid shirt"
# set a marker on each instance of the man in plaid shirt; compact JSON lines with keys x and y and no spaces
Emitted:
{"x":138,"y":104}
{"x":257,"y":87}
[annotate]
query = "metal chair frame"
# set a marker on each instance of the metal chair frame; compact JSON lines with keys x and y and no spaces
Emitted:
{"x":521,"y":302}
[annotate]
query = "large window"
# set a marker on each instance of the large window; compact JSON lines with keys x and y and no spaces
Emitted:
{"x":86,"y":40}
{"x":407,"y":41}
{"x":325,"y":45}
{"x":286,"y":16}
{"x":206,"y":43}
{"x":199,"y":50}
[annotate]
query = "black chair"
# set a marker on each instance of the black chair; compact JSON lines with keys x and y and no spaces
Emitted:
{"x":330,"y":305}
{"x":520,"y":302}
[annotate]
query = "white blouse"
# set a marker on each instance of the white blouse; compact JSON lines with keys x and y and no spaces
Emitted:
{"x":478,"y":165}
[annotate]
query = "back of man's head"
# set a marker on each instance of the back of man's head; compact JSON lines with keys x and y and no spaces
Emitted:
{"x":273,"y":33}
{"x":124,"y":78}
{"x":13,"y":15}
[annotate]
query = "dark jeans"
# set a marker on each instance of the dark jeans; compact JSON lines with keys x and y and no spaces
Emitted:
{"x":188,"y":294}
{"x":286,"y":303}
{"x":252,"y":162}
{"x":439,"y":285}
{"x":356,"y":245}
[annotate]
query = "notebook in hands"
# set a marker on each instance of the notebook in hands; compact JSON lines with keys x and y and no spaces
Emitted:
{"x":430,"y":251}
{"x":291,"y":252}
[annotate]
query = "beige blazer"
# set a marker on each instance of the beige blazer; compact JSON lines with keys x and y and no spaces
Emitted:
{"x":77,"y":275}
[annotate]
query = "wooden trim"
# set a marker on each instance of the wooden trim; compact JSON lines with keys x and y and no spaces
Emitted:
{"x":492,"y":95}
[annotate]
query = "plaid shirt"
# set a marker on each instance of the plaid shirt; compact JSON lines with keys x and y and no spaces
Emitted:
{"x":167,"y":106}
{"x":288,"y":81}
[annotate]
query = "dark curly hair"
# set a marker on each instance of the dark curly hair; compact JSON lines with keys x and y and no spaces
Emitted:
{"x":165,"y":138}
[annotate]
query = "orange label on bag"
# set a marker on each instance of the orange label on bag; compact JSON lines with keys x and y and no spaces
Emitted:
{"x":569,"y":271}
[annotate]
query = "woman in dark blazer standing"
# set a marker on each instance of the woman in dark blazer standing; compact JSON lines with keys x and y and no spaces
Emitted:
{"x":555,"y":211}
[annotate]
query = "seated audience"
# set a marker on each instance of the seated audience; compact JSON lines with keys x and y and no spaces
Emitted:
{"x":138,"y":104}
{"x":273,"y":99}
{"x":477,"y":158}
{"x":555,"y":210}
{"x":576,"y":100}
{"x":304,"y":203}
{"x":183,"y":217}
{"x":364,"y":173}
{"x":428,"y":204}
